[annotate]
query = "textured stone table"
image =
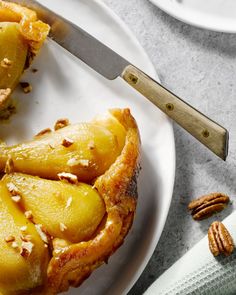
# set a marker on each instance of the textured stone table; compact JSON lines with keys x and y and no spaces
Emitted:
{"x":200,"y":66}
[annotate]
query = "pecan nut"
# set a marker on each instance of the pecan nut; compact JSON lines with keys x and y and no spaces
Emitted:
{"x":220,"y":240}
{"x":207,"y":205}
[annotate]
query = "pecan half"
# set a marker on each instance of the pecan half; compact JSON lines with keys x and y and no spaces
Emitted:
{"x":207,"y":205}
{"x":220,"y":240}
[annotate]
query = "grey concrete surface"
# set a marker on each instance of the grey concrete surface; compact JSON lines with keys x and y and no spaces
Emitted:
{"x":199,"y":66}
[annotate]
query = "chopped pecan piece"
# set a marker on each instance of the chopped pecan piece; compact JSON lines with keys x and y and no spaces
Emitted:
{"x":4,"y":95}
{"x":63,"y":227}
{"x":28,"y":215}
{"x":27,"y":88}
{"x":220,"y":240}
{"x":61,"y":123}
{"x":42,"y":233}
{"x":71,"y":178}
{"x":43,"y":132}
{"x":68,"y":203}
{"x":207,"y":205}
{"x":23,"y":228}
{"x":10,"y":239}
{"x":12,"y":189}
{"x":14,"y":245}
{"x":16,"y":199}
{"x":26,"y":249}
{"x":67,"y":142}
{"x":6,"y":63}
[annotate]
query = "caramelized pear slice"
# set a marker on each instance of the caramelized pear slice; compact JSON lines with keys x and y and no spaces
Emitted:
{"x":13,"y":53}
{"x":66,"y":211}
{"x":113,"y":125}
{"x":86,"y":150}
{"x":19,"y":271}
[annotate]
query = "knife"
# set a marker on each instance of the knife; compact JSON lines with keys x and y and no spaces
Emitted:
{"x":111,"y":65}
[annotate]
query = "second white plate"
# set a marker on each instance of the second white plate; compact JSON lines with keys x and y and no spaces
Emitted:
{"x":216,"y":15}
{"x":65,"y":87}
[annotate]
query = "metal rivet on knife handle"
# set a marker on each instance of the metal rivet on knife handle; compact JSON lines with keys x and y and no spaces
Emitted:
{"x":205,"y":133}
{"x":209,"y":133}
{"x":170,"y":106}
{"x":133,"y":79}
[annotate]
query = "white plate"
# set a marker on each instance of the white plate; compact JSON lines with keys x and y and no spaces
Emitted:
{"x":65,"y":87}
{"x":216,"y":15}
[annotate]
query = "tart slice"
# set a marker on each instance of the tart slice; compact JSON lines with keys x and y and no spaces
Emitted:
{"x":77,"y":187}
{"x":21,"y":37}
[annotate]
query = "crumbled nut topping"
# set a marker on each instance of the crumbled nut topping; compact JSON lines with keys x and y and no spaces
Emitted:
{"x":12,"y":189}
{"x":4,"y":94}
{"x":59,"y":245}
{"x":6,"y":63}
{"x":61,"y":123}
{"x":91,"y":145}
{"x":9,"y":167}
{"x":14,"y":245}
{"x":23,"y":228}
{"x":43,"y":132}
{"x":74,"y":162}
{"x":71,"y":178}
{"x":63,"y":227}
{"x":28,"y":214}
{"x":67,"y":142}
{"x":26,"y":249}
{"x":16,"y":199}
{"x":68,"y":203}
{"x":42,"y":233}
{"x":27,"y":88}
{"x":10,"y":239}
{"x":84,"y":162}
{"x":26,"y":238}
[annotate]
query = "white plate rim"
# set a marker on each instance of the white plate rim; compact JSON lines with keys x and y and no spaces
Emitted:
{"x":196,"y":18}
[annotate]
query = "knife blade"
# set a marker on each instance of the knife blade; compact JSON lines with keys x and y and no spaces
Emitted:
{"x":111,"y":65}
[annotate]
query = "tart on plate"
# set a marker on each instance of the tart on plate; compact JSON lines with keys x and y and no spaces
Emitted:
{"x":68,"y":199}
{"x":21,"y":37}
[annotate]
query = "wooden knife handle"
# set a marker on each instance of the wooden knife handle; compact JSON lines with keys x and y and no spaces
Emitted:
{"x":209,"y":133}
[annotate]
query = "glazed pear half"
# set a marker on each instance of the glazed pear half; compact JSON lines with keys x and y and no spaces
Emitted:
{"x":68,"y":199}
{"x":21,"y":37}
